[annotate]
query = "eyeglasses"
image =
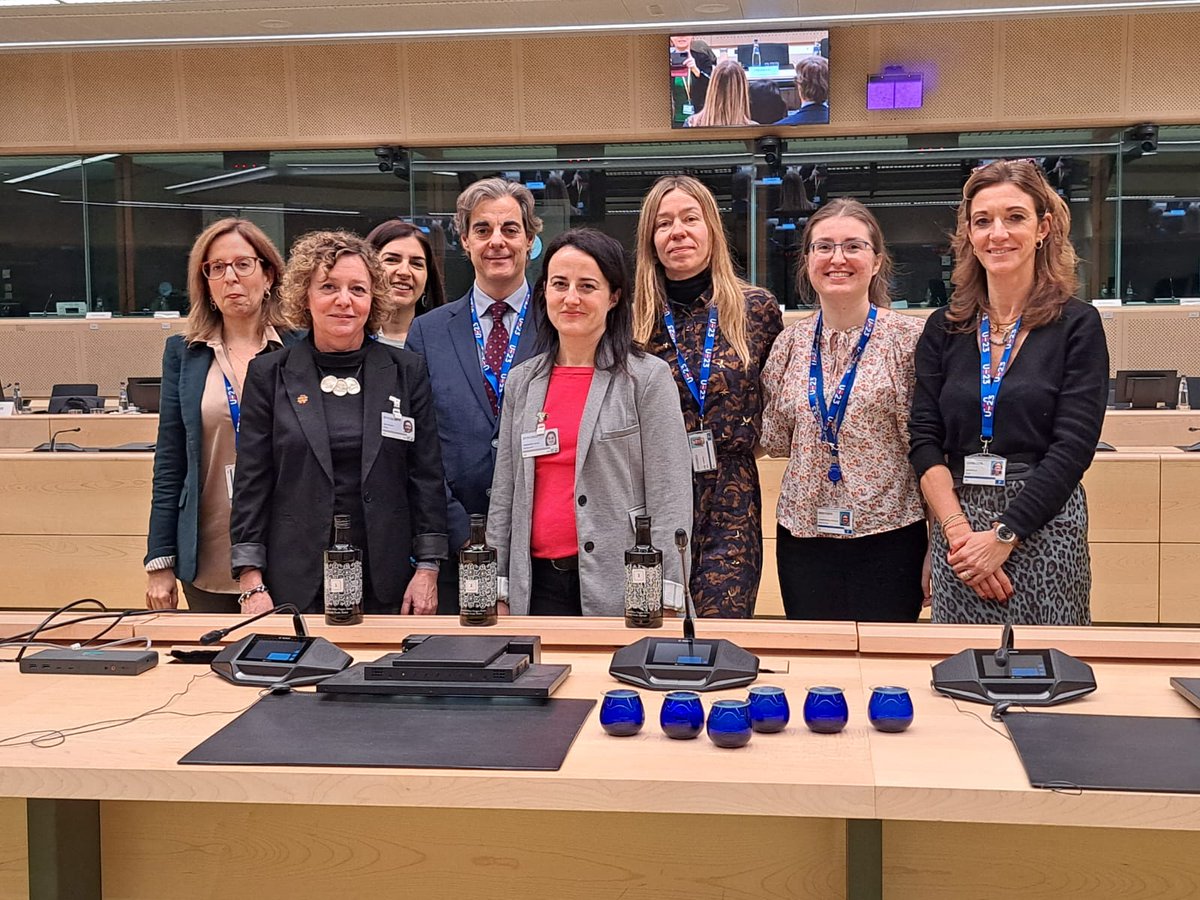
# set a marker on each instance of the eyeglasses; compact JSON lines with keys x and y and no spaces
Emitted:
{"x":848,"y":248}
{"x":243,"y":265}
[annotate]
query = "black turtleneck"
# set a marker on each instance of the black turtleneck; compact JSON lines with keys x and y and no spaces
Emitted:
{"x":344,"y":422}
{"x":688,"y":290}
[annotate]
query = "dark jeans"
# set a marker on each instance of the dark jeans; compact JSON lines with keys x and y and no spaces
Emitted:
{"x":554,"y":589}
{"x":875,"y":578}
{"x":208,"y":602}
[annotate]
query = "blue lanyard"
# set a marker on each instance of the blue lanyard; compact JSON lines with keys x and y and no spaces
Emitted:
{"x":497,"y":380}
{"x":710,"y":338}
{"x":829,"y":420}
{"x":235,"y":409}
{"x":989,"y":385}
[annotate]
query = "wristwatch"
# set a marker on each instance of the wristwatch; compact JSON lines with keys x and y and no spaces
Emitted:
{"x":1004,"y":534}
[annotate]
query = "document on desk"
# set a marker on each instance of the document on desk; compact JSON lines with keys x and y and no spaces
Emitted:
{"x":304,"y":729}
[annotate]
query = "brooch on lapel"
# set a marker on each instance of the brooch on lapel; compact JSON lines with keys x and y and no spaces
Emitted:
{"x":302,"y":399}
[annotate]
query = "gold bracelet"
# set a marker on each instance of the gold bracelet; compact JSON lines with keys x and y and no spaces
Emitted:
{"x":950,"y":520}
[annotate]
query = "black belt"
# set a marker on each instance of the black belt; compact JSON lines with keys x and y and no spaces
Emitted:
{"x":1020,"y":466}
{"x":563,"y":564}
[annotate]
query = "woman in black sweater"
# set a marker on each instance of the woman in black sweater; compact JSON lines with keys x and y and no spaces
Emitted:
{"x":1012,"y":380}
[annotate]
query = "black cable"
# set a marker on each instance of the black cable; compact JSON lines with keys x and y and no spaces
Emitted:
{"x":58,"y":612}
{"x":120,"y":614}
{"x":55,"y":737}
{"x":971,"y":712}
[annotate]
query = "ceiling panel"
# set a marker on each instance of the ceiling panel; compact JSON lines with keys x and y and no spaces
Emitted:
{"x":221,"y":21}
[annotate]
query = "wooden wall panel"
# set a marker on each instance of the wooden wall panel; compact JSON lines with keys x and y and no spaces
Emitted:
{"x":304,"y":853}
{"x":1179,"y":584}
{"x":35,"y":106}
{"x":55,"y":570}
{"x":1038,"y":85}
{"x":14,"y":849}
{"x":236,"y":96}
{"x":147,"y":101}
{"x":471,"y":96}
{"x":1106,"y":70}
{"x":350,"y":89}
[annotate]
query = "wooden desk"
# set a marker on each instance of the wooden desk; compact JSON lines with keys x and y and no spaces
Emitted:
{"x":108,"y":430}
{"x":766,"y":821}
{"x":1124,"y":427}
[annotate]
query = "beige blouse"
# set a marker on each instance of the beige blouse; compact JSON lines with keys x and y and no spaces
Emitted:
{"x":878,"y":483}
{"x":218,"y":449}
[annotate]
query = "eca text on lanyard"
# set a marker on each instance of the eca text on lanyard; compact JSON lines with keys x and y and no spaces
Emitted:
{"x":989,"y":384}
{"x":699,"y":391}
{"x":829,"y":419}
{"x":497,"y":379}
{"x":235,"y":410}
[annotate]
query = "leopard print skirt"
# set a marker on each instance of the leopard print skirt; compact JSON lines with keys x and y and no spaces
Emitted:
{"x":1051,"y":572}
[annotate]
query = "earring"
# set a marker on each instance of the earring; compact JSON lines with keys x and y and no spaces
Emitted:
{"x":421,"y":301}
{"x":267,"y":295}
{"x":212,"y":304}
{"x":1039,"y":243}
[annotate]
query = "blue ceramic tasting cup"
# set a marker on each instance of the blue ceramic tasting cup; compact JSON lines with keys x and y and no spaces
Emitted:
{"x":729,"y":723}
{"x":825,"y":709}
{"x":769,"y":710}
{"x":890,"y":708}
{"x":621,"y":712}
{"x":682,"y":715}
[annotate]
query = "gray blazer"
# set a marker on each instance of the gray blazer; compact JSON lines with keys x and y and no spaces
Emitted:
{"x":633,"y":459}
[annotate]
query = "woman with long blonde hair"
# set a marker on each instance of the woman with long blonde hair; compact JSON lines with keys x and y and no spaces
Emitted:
{"x":728,"y":99}
{"x":715,"y":330}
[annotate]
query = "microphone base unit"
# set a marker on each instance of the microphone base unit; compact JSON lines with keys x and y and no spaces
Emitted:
{"x":1030,"y":678}
{"x":261,"y":660}
{"x":673,"y":664}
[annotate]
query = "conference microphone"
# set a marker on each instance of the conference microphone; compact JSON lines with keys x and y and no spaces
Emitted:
{"x":54,"y":436}
{"x":1006,"y":640}
{"x":689,"y":611}
{"x":217,"y":634}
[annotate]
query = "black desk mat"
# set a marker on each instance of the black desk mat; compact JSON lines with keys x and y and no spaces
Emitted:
{"x":1110,"y":753}
{"x":305,"y":729}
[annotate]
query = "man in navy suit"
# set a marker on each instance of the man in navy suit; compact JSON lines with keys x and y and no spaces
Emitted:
{"x":812,"y":84}
{"x":470,"y":346}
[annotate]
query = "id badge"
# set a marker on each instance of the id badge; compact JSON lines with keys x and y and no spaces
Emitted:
{"x":835,"y":520}
{"x":398,"y":427}
{"x":542,"y":442}
{"x":704,"y":451}
{"x":229,"y":470}
{"x":986,"y":469}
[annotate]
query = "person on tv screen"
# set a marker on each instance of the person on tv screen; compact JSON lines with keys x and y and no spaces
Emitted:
{"x":728,"y":100}
{"x":1012,"y":377}
{"x":812,"y":84}
{"x":691,"y":68}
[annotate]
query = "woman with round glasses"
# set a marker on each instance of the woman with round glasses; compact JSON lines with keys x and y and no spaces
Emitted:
{"x":714,"y":330}
{"x":851,"y":538}
{"x":413,"y":273}
{"x":1012,"y":381}
{"x":234,"y":317}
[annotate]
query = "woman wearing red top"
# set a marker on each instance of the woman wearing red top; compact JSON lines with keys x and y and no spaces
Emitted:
{"x":591,"y":437}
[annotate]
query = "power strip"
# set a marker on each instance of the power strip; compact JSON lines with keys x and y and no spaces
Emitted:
{"x":89,"y":662}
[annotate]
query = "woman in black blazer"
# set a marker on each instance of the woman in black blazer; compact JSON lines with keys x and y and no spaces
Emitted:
{"x":338,"y":423}
{"x":233,"y":317}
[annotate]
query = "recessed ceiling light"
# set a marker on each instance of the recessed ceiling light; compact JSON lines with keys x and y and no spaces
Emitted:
{"x":654,"y":9}
{"x":274,"y":24}
{"x":712,"y":9}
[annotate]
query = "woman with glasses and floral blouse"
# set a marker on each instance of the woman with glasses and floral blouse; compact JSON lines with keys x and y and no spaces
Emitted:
{"x":232,"y":269}
{"x":851,"y":539}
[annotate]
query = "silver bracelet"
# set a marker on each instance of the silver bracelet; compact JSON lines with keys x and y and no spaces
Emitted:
{"x":246,"y":595}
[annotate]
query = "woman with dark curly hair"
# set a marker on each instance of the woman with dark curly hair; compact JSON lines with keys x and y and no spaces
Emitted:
{"x":338,"y":424}
{"x":1012,"y":380}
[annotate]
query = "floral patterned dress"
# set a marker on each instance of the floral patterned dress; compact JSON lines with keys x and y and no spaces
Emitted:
{"x":727,"y":503}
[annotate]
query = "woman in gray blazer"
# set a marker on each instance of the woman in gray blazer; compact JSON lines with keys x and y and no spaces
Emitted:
{"x":591,"y":437}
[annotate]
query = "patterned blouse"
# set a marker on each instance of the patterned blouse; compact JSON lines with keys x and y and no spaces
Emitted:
{"x":878,"y":481}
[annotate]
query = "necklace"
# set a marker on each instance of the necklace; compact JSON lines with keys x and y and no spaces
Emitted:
{"x":340,"y":386}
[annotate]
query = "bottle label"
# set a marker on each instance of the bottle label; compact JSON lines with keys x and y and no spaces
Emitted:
{"x":477,"y":587}
{"x":643,"y":589}
{"x":343,"y":587}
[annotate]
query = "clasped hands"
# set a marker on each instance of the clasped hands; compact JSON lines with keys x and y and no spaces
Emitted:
{"x":976,"y":558}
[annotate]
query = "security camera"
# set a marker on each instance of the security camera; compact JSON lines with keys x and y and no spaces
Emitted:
{"x":386,"y":157}
{"x":772,"y":149}
{"x":1143,"y":139}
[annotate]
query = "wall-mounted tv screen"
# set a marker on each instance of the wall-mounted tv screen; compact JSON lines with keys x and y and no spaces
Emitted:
{"x":749,"y":78}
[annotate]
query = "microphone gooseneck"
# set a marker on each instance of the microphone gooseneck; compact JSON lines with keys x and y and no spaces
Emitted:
{"x":211,"y":637}
{"x":54,"y":436}
{"x":689,"y":611}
